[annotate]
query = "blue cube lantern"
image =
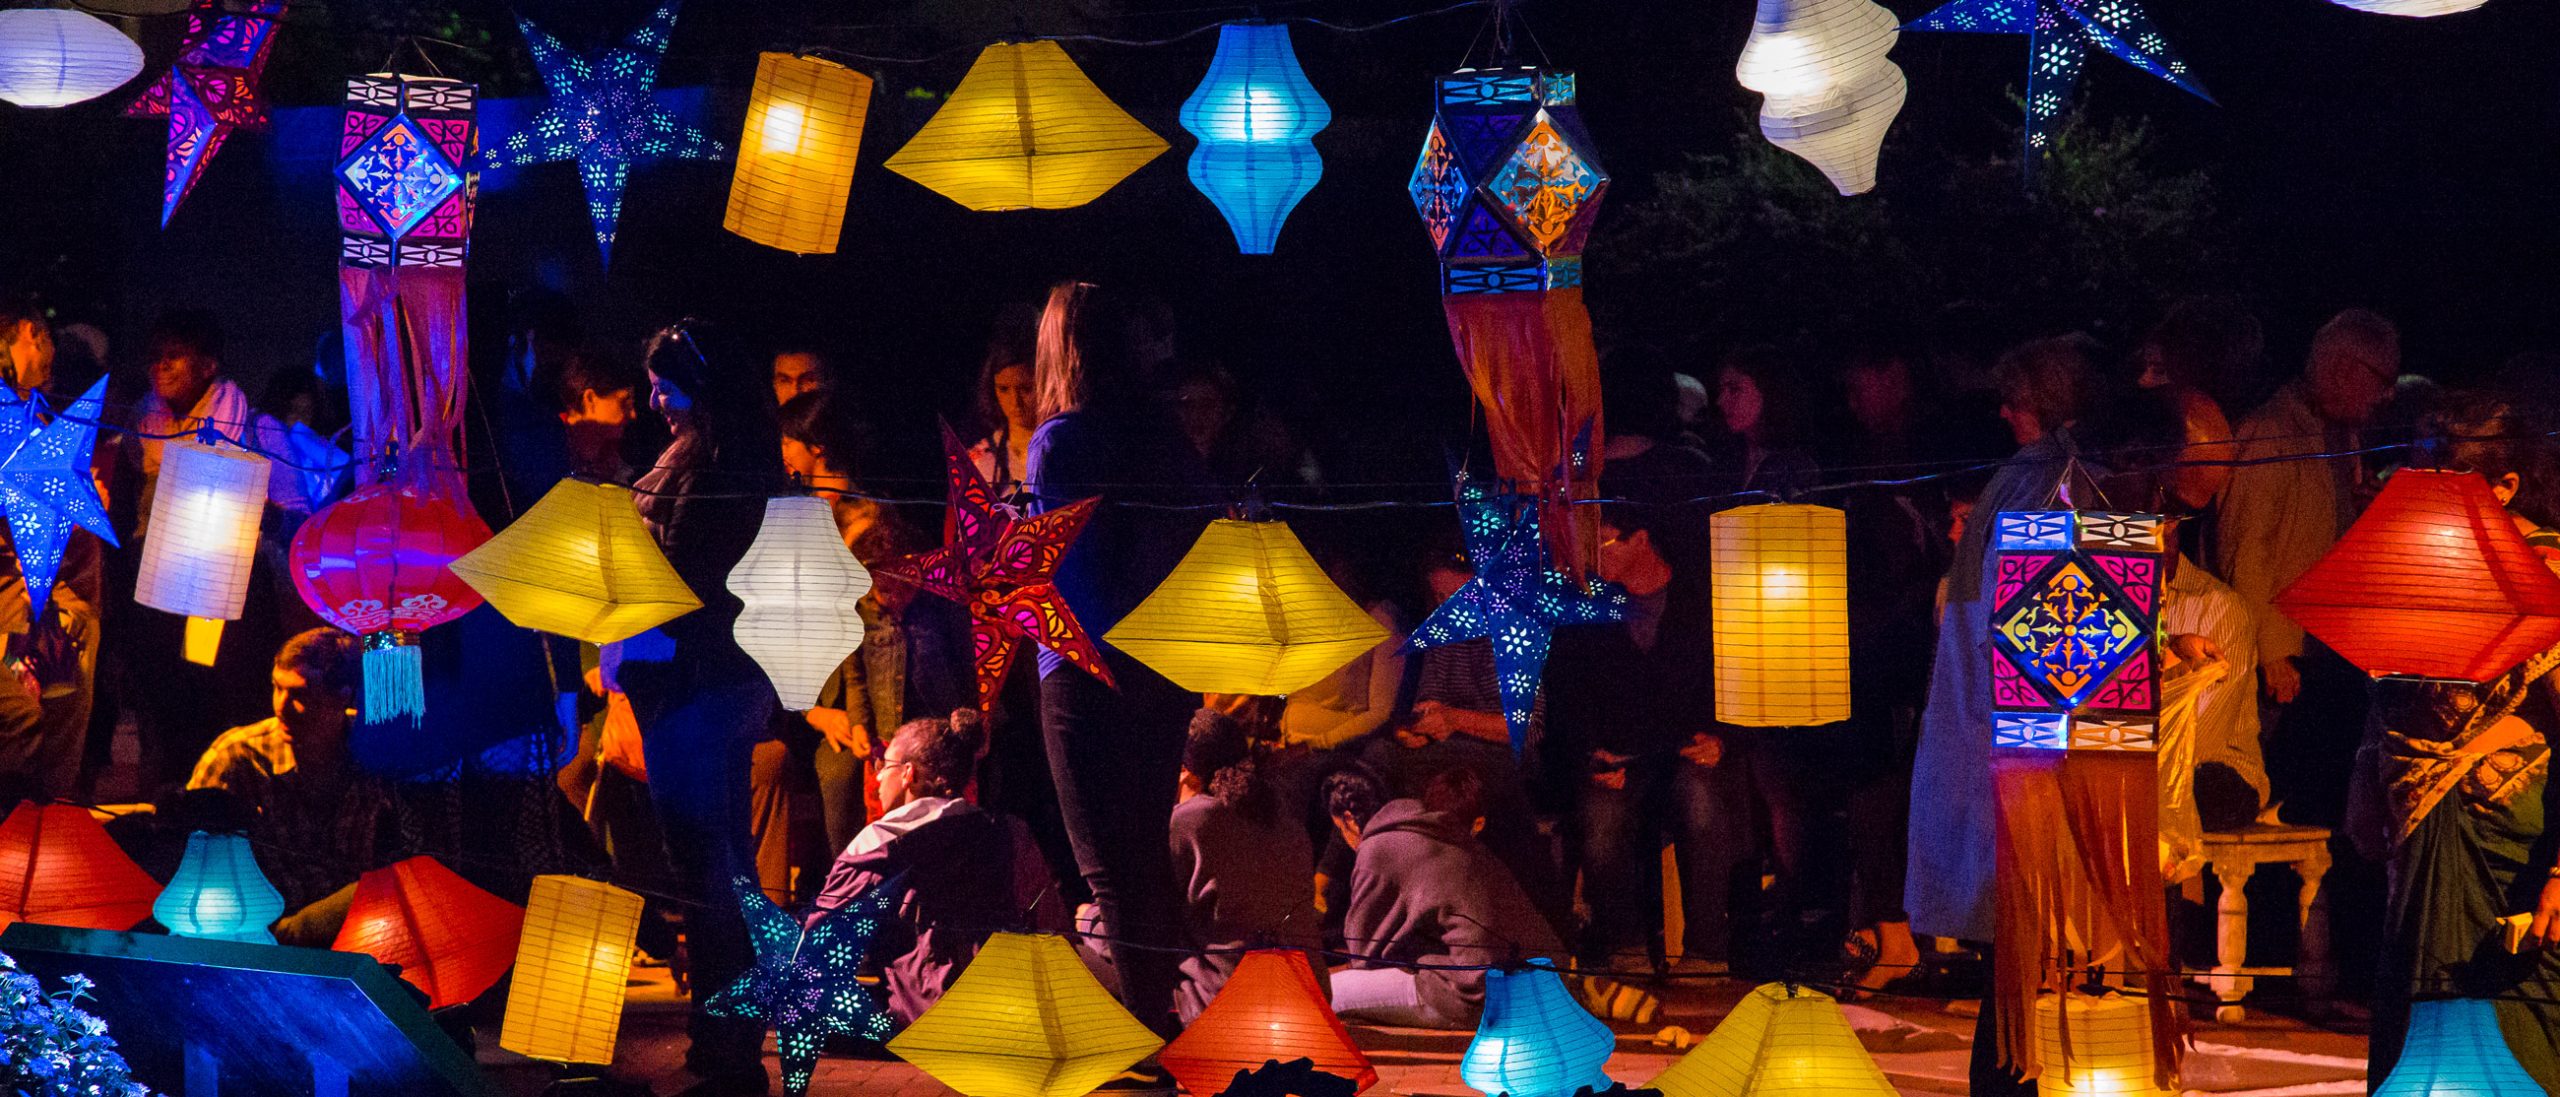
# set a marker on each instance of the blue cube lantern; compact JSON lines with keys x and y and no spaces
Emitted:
{"x":1254,"y":115}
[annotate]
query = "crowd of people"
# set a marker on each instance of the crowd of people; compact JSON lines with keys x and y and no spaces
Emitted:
{"x":1382,"y":818}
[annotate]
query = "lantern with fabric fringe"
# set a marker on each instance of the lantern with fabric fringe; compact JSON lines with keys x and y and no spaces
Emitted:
{"x":1779,"y":1041}
{"x":1831,"y":92}
{"x":572,"y":962}
{"x":1255,"y":114}
{"x":1535,"y":1040}
{"x":580,"y":564}
{"x":448,"y":938}
{"x":1026,"y":129}
{"x":1247,"y":611}
{"x":219,"y":893}
{"x":2454,"y":1048}
{"x":54,"y":58}
{"x":796,"y":158}
{"x":1270,"y":1010}
{"x":1025,"y":1019}
{"x":378,"y":563}
{"x":1781,"y":578}
{"x":799,"y":585}
{"x":58,"y":867}
{"x":203,"y":538}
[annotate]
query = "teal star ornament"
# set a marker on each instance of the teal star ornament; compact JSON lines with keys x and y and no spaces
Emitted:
{"x":45,"y":487}
{"x":2059,"y":34}
{"x":803,"y":980}
{"x":1516,"y":600}
{"x":602,"y":116}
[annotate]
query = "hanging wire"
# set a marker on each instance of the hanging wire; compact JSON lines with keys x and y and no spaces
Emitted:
{"x":839,"y":53}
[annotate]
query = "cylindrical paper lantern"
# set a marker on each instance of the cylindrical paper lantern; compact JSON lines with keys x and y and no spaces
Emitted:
{"x":799,"y":584}
{"x":1779,"y":1041}
{"x":581,"y":564}
{"x":2108,"y":1052}
{"x":2414,"y":9}
{"x":204,"y":530}
{"x":2434,"y":581}
{"x":50,"y":57}
{"x":572,"y":964}
{"x":1831,"y":92}
{"x":219,"y":893}
{"x":378,"y":563}
{"x":58,"y":867}
{"x":448,"y":938}
{"x":1535,"y":1040}
{"x":1026,"y":1019}
{"x":1271,"y":1009}
{"x":2454,"y":1049}
{"x":1254,"y":114}
{"x":1026,"y":130}
{"x":795,"y":161}
{"x":1781,"y":615}
{"x":1246,"y":611}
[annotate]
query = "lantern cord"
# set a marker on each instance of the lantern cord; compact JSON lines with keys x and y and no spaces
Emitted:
{"x":836,"y":53}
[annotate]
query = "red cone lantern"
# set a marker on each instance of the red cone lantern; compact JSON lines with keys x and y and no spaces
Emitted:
{"x":377,"y":564}
{"x":1271,"y":1008}
{"x":59,"y":868}
{"x":2435,"y":581}
{"x":448,"y":938}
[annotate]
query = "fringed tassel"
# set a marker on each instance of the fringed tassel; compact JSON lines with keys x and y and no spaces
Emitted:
{"x":394,"y":679}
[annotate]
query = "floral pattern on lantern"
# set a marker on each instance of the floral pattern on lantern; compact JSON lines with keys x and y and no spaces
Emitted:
{"x":2060,"y":34}
{"x":378,"y":563}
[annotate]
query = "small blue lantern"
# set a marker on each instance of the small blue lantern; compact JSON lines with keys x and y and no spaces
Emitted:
{"x":1254,"y":115}
{"x":2455,"y":1050}
{"x":1535,"y":1040}
{"x":218,"y":893}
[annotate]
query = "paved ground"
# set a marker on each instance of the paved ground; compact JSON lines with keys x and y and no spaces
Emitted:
{"x":1922,"y":1046}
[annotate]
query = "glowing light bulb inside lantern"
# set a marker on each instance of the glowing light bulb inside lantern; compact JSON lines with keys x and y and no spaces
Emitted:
{"x":783,"y":123}
{"x":1781,"y":588}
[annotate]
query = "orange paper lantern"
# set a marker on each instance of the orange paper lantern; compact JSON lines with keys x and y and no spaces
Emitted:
{"x":1270,"y":1009}
{"x":2435,"y":581}
{"x":448,"y":938}
{"x":59,"y":868}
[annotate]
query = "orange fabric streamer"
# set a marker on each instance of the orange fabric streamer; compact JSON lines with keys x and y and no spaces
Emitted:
{"x":1530,"y":359}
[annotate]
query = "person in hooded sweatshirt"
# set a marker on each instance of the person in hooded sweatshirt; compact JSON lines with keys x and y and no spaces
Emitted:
{"x":1247,"y":871}
{"x":1425,"y":892}
{"x":967,"y":871}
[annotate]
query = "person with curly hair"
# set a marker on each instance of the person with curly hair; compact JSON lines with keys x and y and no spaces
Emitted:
{"x":1247,"y":870}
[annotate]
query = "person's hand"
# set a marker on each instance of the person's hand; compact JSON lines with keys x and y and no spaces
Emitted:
{"x":1609,"y":770}
{"x":836,"y":726}
{"x":1432,"y":721}
{"x":2192,"y":648}
{"x":2545,"y":930}
{"x":1704,"y":750}
{"x":2283,"y":679}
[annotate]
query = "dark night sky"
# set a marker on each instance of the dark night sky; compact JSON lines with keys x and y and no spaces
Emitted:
{"x":2367,"y":160}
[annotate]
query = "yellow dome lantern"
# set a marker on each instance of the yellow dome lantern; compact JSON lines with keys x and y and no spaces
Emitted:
{"x":580,"y":564}
{"x":1779,"y":1041}
{"x":1025,"y":1020}
{"x":1247,"y":611}
{"x":1026,"y":130}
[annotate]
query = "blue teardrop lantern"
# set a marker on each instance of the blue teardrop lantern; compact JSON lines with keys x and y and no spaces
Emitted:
{"x":1254,"y":115}
{"x":2455,"y":1050}
{"x":219,"y":893}
{"x":1535,"y":1040}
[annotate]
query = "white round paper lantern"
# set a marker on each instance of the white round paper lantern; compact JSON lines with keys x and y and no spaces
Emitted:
{"x":50,"y":57}
{"x":1831,"y":91}
{"x":2414,"y":9}
{"x":799,"y":584}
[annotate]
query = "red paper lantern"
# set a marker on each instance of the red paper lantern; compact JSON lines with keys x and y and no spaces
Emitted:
{"x":1270,"y":1009}
{"x":59,"y":868}
{"x":448,"y":938}
{"x":2435,"y":581}
{"x":377,"y":564}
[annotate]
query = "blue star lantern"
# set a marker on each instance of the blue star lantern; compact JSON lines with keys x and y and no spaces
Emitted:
{"x":601,"y":115}
{"x":803,"y":982}
{"x":45,"y":486}
{"x":1515,"y":600}
{"x":2059,"y":34}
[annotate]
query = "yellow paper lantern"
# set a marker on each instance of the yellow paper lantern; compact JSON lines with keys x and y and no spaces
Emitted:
{"x":2108,"y":1052}
{"x":572,"y":964}
{"x":1831,"y":91}
{"x":580,"y":564}
{"x":203,"y":537}
{"x":795,"y":161}
{"x":1026,"y":130}
{"x":1247,"y":611}
{"x":1025,"y":1020}
{"x":1781,"y":615}
{"x":1779,"y":1041}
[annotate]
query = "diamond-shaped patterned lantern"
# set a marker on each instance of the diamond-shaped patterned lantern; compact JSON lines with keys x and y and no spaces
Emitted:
{"x":404,"y":198}
{"x":2075,"y":607}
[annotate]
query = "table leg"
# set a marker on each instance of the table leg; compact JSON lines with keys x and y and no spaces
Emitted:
{"x":2313,"y":965}
{"x":2231,"y":940}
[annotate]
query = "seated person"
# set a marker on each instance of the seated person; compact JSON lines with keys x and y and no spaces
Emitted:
{"x":1425,"y":891}
{"x":1246,"y":869}
{"x":967,"y":870}
{"x":293,"y":771}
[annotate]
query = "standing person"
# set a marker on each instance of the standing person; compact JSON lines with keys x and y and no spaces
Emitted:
{"x":1246,"y":868}
{"x":2279,"y":518}
{"x":1752,"y":398}
{"x":1115,"y":755}
{"x":798,"y":369}
{"x":700,"y":702}
{"x":2453,"y":788}
{"x":50,"y":675}
{"x":2044,"y":386}
{"x":1006,"y":404}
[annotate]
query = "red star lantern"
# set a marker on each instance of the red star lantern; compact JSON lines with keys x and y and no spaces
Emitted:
{"x":212,"y":90}
{"x":448,"y":938}
{"x":1001,"y":567}
{"x":378,"y":563}
{"x":58,"y":867}
{"x":1270,"y":1010}
{"x":2434,"y":581}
